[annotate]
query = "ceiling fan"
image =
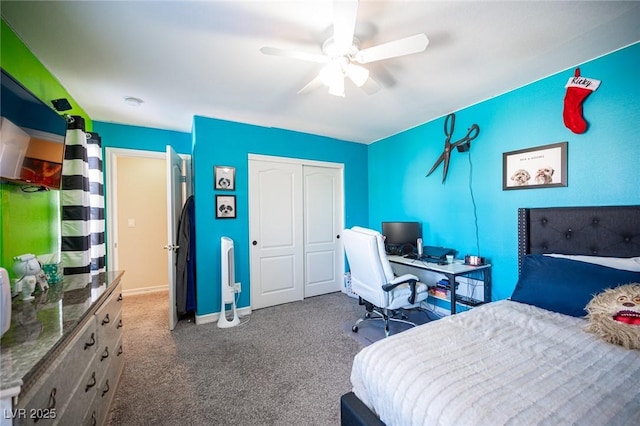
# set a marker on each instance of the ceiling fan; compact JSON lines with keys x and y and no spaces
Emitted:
{"x":341,"y":53}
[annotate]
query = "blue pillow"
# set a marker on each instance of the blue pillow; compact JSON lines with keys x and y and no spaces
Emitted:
{"x":563,"y":285}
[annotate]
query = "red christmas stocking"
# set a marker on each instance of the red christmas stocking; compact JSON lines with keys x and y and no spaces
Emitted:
{"x":578,"y":88}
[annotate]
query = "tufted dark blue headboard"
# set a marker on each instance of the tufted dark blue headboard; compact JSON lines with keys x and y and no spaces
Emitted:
{"x":612,"y":231}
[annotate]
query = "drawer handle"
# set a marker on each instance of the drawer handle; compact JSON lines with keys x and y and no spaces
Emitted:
{"x":106,"y":320}
{"x":104,"y":391}
{"x":52,"y":404}
{"x":92,"y":383}
{"x":91,"y":342}
{"x":105,"y":354}
{"x":119,"y":324}
{"x":52,"y":399}
{"x":94,"y":420}
{"x":119,"y":351}
{"x":119,"y":299}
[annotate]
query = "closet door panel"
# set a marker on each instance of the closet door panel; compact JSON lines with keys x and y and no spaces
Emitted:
{"x":323,"y":207}
{"x":275,"y":232}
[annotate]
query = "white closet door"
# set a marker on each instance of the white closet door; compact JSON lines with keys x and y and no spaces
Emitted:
{"x":276,"y":233}
{"x":323,"y":219}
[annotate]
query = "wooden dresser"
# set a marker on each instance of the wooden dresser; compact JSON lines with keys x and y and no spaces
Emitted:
{"x":63,"y":356}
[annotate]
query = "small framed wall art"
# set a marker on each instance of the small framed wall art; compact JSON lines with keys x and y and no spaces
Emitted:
{"x":224,"y":178}
{"x":540,"y":167}
{"x":225,"y":206}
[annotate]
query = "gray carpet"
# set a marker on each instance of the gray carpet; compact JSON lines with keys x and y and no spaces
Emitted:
{"x":373,"y":330}
{"x":288,"y":365}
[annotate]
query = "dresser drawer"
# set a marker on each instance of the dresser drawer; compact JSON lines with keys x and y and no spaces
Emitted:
{"x":81,"y":400}
{"x":108,"y":316}
{"x":54,"y":388}
{"x":108,"y":347}
{"x":109,"y":384}
{"x":110,"y":334}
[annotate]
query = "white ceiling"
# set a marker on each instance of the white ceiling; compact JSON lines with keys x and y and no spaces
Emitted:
{"x":203,"y":57}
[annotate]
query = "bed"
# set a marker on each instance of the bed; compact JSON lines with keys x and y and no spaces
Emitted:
{"x":526,"y":360}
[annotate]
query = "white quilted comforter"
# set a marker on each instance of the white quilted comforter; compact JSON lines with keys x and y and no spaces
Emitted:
{"x":503,"y":363}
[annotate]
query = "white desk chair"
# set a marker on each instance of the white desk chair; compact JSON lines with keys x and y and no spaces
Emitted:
{"x":373,"y":281}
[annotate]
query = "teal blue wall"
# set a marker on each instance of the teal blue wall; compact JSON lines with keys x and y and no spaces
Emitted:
{"x":227,"y":143}
{"x":141,"y":138}
{"x":603,"y":163}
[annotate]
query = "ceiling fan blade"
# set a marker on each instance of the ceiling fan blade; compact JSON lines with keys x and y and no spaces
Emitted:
{"x":344,"y":24}
{"x":401,"y":47}
{"x":312,"y":85}
{"x":370,"y":86}
{"x":295,"y":54}
{"x":357,"y":74}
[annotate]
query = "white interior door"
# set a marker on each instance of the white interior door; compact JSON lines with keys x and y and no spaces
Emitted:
{"x":176,"y":196}
{"x":276,"y":233}
{"x":323,"y":223}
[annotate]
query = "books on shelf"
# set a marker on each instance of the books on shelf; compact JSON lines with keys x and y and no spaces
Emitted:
{"x":438,"y":291}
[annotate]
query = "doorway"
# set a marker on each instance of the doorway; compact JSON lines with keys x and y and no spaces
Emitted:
{"x":137,"y":218}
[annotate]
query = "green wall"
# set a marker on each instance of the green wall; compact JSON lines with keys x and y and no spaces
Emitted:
{"x":18,"y":61}
{"x":30,"y":221}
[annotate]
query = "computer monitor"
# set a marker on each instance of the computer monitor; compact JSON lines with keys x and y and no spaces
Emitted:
{"x":398,"y":234}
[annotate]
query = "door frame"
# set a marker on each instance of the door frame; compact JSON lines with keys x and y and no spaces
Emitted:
{"x":111,"y":197}
{"x":302,"y":162}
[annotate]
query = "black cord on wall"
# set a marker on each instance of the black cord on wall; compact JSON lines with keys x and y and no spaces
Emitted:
{"x":473,"y":201}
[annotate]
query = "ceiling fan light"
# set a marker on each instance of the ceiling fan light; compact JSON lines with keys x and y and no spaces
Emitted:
{"x":337,"y":87}
{"x":357,"y":74}
{"x":330,"y":73}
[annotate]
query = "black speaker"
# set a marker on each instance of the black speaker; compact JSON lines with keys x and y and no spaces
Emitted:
{"x":407,"y":249}
{"x":61,"y":104}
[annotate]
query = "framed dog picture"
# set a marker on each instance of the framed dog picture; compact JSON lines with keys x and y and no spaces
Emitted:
{"x":225,"y":206}
{"x":540,"y":167}
{"x":224,"y":178}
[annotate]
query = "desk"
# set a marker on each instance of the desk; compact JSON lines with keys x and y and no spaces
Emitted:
{"x":451,"y":271}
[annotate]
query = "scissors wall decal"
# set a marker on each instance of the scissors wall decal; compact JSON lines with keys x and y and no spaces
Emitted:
{"x":462,"y":145}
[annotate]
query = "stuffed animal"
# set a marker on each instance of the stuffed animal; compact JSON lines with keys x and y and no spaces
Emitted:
{"x":30,"y":272}
{"x":614,"y":315}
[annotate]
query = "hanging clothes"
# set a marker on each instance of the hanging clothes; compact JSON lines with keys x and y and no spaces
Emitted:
{"x":186,"y":260}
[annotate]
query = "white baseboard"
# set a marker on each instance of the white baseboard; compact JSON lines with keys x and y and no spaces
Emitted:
{"x":143,"y":290}
{"x":209,"y":318}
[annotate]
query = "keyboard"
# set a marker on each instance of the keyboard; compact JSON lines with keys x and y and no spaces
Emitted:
{"x":424,"y":258}
{"x":433,"y":260}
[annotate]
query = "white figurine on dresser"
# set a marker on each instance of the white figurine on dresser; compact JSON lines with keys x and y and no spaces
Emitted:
{"x":27,"y":267}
